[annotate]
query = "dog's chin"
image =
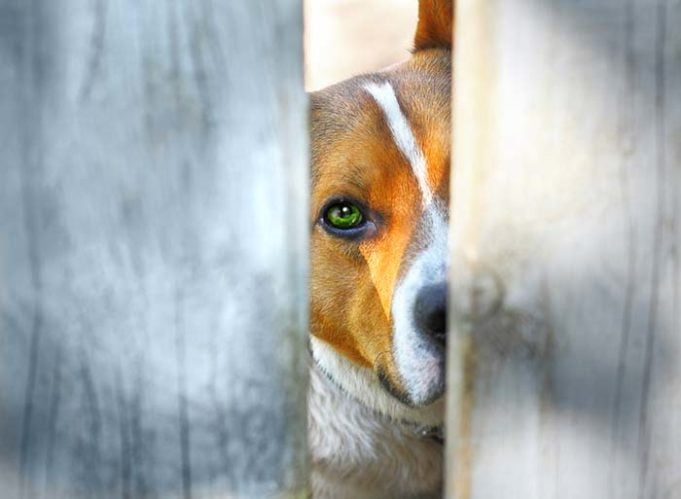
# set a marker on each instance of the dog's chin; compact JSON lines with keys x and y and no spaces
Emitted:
{"x":427,"y":388}
{"x":377,"y":391}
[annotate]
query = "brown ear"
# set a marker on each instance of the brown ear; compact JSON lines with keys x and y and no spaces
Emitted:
{"x":436,"y":23}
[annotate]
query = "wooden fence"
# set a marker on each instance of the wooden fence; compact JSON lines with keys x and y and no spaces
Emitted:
{"x":153,"y":260}
{"x":566,"y":236}
{"x":154,"y":224}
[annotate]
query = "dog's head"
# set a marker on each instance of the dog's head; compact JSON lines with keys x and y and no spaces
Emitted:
{"x":380,"y":155}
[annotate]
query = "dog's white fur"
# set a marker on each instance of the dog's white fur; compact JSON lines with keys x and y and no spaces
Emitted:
{"x":421,"y":367}
{"x":363,"y":385}
{"x":364,"y":443}
{"x":403,"y":135}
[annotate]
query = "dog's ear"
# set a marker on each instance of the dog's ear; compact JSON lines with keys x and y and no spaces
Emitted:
{"x":436,"y":24}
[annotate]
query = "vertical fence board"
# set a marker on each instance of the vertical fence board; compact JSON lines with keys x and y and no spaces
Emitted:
{"x":153,"y":201}
{"x":565,"y":370}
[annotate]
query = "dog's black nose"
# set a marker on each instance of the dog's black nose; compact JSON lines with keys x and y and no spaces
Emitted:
{"x":431,"y":312}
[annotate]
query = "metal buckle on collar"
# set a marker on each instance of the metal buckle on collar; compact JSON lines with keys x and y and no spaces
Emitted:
{"x":435,"y":433}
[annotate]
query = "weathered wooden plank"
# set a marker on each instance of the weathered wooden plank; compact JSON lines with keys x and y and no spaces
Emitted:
{"x":154,"y":232}
{"x":566,"y":235}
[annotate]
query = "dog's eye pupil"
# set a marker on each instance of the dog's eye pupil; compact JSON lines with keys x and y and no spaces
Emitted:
{"x":343,"y":216}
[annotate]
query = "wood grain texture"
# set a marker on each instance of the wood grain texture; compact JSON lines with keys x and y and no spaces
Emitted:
{"x":566,"y":377}
{"x":153,"y":212}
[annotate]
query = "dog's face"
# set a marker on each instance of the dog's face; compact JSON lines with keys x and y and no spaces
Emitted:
{"x":381,"y":155}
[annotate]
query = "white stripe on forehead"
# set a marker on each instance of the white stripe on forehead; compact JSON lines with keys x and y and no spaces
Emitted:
{"x":385,"y":97}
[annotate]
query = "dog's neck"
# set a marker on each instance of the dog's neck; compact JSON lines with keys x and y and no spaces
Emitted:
{"x":356,"y":450}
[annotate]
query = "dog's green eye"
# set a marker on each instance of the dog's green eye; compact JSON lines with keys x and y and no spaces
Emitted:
{"x":343,"y":216}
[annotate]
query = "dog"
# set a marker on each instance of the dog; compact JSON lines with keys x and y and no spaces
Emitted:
{"x":380,"y":174}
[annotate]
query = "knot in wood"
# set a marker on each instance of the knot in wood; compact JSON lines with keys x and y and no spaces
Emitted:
{"x":477,"y":294}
